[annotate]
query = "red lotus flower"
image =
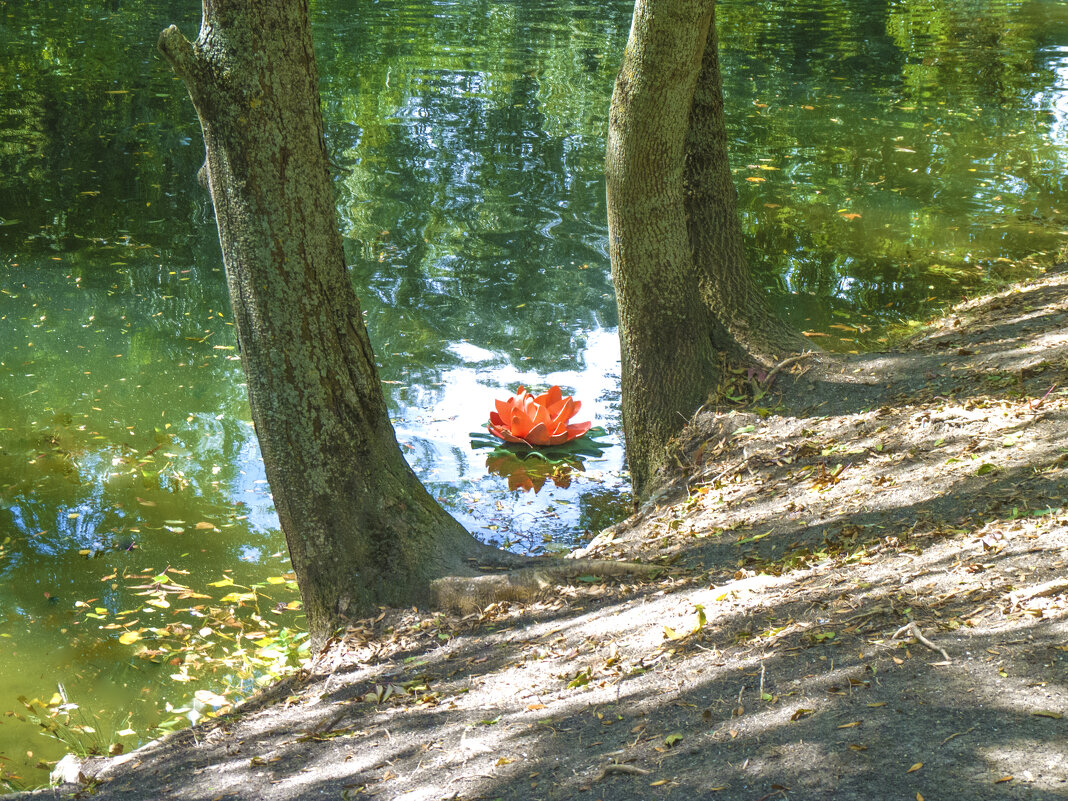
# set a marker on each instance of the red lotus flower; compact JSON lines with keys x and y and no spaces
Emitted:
{"x":537,"y":422}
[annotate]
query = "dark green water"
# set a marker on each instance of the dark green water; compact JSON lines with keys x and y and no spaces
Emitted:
{"x":889,"y":157}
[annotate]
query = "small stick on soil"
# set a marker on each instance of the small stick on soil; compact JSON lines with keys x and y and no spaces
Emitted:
{"x":729,"y":469}
{"x":878,"y":611}
{"x":330,"y":723}
{"x":1041,"y":400}
{"x":958,"y":734}
{"x":914,"y":630}
{"x":629,"y":770}
{"x":783,"y":364}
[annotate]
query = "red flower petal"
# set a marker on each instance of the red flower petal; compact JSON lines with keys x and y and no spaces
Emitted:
{"x":562,"y":415}
{"x":506,"y":435}
{"x":550,"y":398}
{"x":578,"y":429}
{"x":538,"y":435}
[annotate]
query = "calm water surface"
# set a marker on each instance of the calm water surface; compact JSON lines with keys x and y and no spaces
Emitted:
{"x":890,"y":156}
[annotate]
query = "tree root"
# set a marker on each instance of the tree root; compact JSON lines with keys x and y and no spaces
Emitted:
{"x":467,"y":594}
{"x":1054,"y":587}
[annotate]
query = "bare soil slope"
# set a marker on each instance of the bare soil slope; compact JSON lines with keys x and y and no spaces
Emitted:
{"x":865,"y":596}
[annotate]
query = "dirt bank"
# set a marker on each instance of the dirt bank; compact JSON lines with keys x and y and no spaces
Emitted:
{"x":865,"y":596}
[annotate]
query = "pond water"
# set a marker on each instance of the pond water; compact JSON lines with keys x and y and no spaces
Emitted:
{"x":890,"y":157}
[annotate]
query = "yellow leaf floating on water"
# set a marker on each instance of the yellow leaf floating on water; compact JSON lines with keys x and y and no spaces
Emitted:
{"x":915,"y":768}
{"x":130,"y":637}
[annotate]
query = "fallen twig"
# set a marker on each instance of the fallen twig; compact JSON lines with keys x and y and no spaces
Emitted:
{"x":330,"y":723}
{"x":877,"y":611}
{"x":958,"y":734}
{"x":617,"y":767}
{"x":914,"y":630}
{"x":1035,"y":407}
{"x":722,"y":473}
{"x":790,"y":362}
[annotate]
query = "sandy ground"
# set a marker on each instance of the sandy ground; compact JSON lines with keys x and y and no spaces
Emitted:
{"x":864,"y":595}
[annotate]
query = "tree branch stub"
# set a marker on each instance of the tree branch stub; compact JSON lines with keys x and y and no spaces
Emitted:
{"x":178,"y":51}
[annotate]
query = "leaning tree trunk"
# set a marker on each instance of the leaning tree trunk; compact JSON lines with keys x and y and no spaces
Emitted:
{"x":670,"y":358}
{"x":686,"y":298}
{"x":726,"y":282}
{"x":361,"y":529}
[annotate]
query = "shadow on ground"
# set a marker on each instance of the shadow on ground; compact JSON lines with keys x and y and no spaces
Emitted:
{"x":923,"y":488}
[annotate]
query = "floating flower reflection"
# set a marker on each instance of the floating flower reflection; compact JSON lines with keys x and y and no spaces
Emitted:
{"x":531,"y":474}
{"x":537,"y":422}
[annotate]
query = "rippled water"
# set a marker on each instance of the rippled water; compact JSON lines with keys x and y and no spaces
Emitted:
{"x":890,"y":156}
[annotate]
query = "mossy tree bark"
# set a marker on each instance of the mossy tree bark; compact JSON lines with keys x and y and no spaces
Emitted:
{"x":361,"y":528}
{"x":686,"y":298}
